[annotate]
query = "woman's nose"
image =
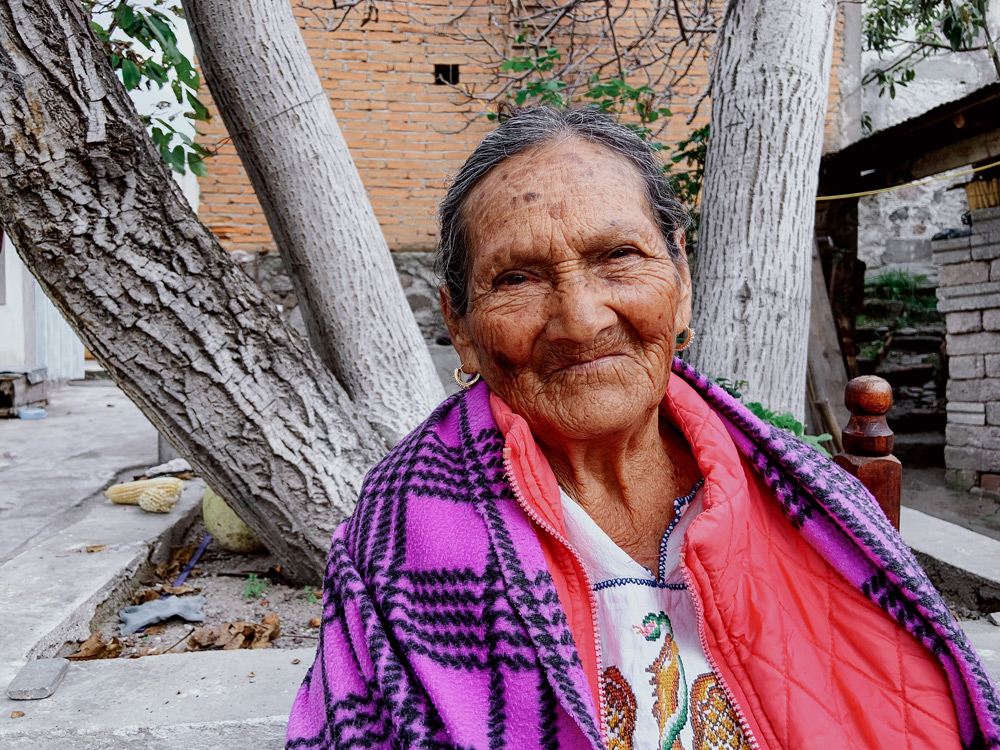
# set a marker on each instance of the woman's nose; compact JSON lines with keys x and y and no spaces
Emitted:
{"x":579,"y":311}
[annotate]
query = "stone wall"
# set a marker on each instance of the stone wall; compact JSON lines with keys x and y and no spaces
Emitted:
{"x":416,"y":275}
{"x":969,"y":296}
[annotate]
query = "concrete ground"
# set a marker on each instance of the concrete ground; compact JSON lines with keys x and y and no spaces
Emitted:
{"x":52,"y":469}
{"x":924,"y":490}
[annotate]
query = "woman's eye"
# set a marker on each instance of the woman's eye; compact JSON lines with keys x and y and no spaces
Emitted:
{"x":621,"y":252}
{"x":512,"y":279}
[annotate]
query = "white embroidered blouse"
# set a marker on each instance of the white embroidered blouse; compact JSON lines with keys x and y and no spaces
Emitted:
{"x":659,"y":688}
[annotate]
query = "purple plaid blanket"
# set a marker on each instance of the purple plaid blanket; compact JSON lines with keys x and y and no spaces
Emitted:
{"x":442,"y":627}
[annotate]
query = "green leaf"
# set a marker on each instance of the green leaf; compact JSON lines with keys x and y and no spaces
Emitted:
{"x":161,"y":30}
{"x":201,"y":112}
{"x":124,"y":16}
{"x":196,"y":165}
{"x":130,"y":75}
{"x":175,"y":158}
{"x":99,"y":30}
{"x":155,"y":72}
{"x":186,"y":73}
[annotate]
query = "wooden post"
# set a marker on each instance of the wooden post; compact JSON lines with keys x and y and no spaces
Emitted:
{"x":868,"y":443}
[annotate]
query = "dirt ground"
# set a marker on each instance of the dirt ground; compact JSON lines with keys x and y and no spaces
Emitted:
{"x":224,"y":579}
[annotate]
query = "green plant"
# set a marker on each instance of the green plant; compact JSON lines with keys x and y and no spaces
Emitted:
{"x":309,"y":595}
{"x":139,"y":39}
{"x":254,"y":586}
{"x":693,"y":150}
{"x":732,"y":387}
{"x":901,"y":286}
{"x":871,"y":350}
{"x":786,"y":421}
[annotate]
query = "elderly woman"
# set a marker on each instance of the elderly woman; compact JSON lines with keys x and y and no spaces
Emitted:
{"x":593,"y":546}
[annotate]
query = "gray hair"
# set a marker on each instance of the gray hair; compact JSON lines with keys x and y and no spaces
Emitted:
{"x":522,"y":129}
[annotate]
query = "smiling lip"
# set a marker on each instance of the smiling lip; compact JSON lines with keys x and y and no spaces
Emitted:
{"x":589,"y":364}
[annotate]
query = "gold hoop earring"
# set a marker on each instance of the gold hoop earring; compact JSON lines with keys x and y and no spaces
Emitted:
{"x":464,"y":384}
{"x":688,"y":338}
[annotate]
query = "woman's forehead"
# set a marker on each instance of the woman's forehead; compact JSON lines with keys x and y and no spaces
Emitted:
{"x":578,"y":190}
{"x":559,"y":164}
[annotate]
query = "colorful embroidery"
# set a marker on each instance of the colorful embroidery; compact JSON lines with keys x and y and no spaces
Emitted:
{"x":670,"y":707}
{"x":713,"y":719}
{"x":619,"y":709}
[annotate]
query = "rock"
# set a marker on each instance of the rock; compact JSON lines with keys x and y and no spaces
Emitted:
{"x":37,"y":679}
{"x":174,"y":466}
{"x":994,"y":618}
{"x":226,"y":527}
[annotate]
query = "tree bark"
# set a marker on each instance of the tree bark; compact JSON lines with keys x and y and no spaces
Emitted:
{"x":266,"y":87}
{"x":94,"y":214}
{"x":752,"y":272}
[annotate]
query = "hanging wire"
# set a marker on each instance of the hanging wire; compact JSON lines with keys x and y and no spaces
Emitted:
{"x":908,"y":184}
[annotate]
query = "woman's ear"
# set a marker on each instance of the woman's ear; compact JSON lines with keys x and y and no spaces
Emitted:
{"x":458,"y":330}
{"x":680,"y":239}
{"x":682,"y":314}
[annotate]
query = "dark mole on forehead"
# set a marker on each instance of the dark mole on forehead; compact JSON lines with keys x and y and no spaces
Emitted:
{"x":528,"y":197}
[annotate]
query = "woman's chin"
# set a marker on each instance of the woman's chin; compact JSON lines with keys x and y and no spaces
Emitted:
{"x":597,"y":411}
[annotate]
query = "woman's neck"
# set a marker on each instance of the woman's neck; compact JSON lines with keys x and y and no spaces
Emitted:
{"x":627,"y":482}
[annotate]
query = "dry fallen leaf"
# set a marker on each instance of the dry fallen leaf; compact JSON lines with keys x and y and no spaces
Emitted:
{"x":295,"y":661}
{"x":96,"y":648}
{"x":179,"y":557}
{"x":154,"y":629}
{"x":234,"y":635}
{"x":96,"y":548}
{"x":251,"y":675}
{"x":273,"y":622}
{"x":16,"y":714}
{"x":314,"y":622}
{"x":178,"y":590}
{"x":146,"y":595}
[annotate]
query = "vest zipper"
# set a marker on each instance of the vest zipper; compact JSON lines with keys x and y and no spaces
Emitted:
{"x":590,"y":589}
{"x":700,"y":609}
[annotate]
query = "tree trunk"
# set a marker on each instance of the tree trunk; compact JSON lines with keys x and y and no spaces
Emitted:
{"x":96,"y":217}
{"x":263,"y":80}
{"x":752,"y":272}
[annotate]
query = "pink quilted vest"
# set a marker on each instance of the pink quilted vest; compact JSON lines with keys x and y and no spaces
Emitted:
{"x":809,"y":660}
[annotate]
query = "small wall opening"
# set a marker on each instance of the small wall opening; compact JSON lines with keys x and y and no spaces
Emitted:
{"x":445,"y":74}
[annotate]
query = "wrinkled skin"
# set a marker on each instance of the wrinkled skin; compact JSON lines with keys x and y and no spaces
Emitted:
{"x":575,"y":306}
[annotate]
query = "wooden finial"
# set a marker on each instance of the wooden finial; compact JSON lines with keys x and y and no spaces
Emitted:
{"x":869,"y":399}
{"x":868,"y":442}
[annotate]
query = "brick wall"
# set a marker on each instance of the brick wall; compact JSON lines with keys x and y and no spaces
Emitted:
{"x":969,"y":295}
{"x":406,"y":133}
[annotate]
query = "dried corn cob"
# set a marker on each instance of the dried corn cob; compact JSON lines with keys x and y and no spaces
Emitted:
{"x":159,"y":499}
{"x":155,"y":495}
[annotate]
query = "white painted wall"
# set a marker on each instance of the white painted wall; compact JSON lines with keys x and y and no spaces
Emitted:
{"x":32,"y":332}
{"x":12,"y":349}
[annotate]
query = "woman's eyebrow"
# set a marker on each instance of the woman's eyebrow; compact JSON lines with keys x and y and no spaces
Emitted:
{"x":614,"y":233}
{"x":518,"y":255}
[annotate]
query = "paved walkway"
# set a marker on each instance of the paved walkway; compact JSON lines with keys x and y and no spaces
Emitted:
{"x":924,"y":490}
{"x":52,"y":469}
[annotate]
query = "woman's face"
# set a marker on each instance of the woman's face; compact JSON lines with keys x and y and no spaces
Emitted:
{"x":575,"y":302}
